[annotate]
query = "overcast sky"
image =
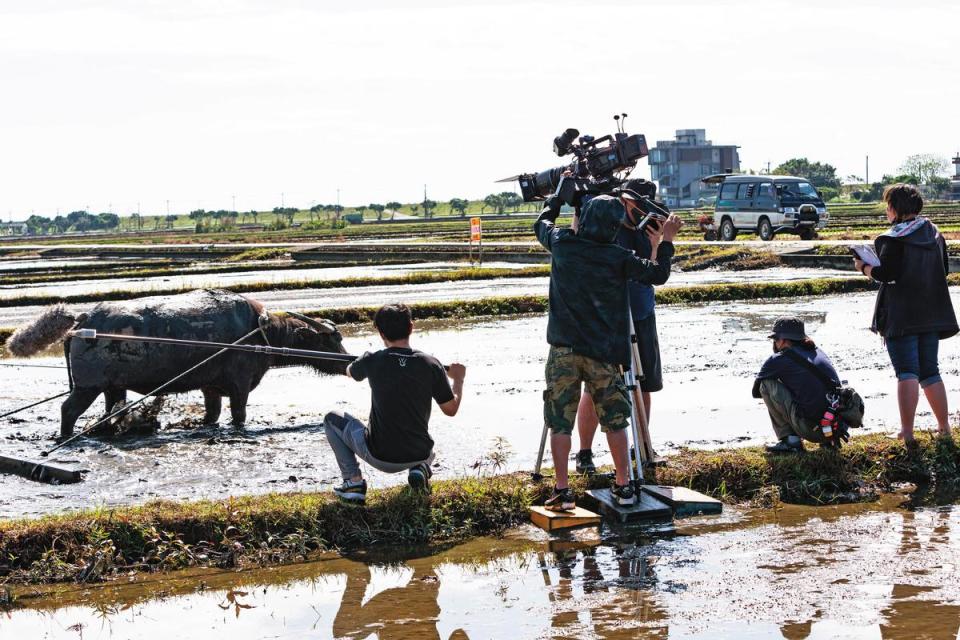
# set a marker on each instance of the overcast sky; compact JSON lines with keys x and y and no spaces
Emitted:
{"x":107,"y":104}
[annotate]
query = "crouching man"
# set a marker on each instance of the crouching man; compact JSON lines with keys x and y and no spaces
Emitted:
{"x":403,"y":383}
{"x":791,"y":387}
{"x":588,"y":330}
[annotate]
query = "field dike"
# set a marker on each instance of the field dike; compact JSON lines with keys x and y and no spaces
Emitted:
{"x":289,"y":527}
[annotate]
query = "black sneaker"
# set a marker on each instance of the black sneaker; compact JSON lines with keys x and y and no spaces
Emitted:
{"x":625,"y":495}
{"x":560,"y":500}
{"x":785,"y":446}
{"x":418,"y":477}
{"x":352,"y":491}
{"x":585,"y":464}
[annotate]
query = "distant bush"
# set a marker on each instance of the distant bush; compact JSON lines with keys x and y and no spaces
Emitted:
{"x":828,"y":193}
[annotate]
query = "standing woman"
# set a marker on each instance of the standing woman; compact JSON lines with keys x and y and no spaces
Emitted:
{"x":913,"y":311}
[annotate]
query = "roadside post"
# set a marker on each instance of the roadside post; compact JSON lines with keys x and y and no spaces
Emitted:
{"x":476,"y":235}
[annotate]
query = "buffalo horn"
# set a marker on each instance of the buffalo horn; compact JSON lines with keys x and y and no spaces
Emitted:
{"x":322,"y":327}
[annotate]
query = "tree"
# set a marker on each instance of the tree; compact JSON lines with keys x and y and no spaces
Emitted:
{"x":510,"y":199}
{"x":254,"y":214}
{"x":414,"y":208}
{"x":38,"y":224}
{"x":394,"y":207}
{"x":925,"y":166}
{"x":428,"y":207}
{"x":459,"y":204}
{"x":108,"y":220}
{"x":378,"y":209}
{"x":495,"y":202}
{"x":819,"y":174}
{"x":360,"y":210}
{"x":170,"y":219}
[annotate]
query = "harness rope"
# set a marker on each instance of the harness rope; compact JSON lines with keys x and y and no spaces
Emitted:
{"x":141,"y":400}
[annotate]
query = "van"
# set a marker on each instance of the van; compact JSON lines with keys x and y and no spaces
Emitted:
{"x":767,"y":205}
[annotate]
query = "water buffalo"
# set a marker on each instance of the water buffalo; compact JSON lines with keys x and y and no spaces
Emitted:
{"x":112,"y":367}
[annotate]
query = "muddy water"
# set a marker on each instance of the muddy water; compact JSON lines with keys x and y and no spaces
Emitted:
{"x":882,"y":571}
{"x":300,"y":299}
{"x":710,"y":354}
{"x":226,"y":280}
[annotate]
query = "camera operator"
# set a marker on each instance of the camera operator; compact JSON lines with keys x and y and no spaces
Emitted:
{"x":645,"y":243}
{"x":588,"y":330}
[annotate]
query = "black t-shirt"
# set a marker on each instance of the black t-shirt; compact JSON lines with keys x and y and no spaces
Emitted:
{"x":402,"y":384}
{"x":809,"y":392}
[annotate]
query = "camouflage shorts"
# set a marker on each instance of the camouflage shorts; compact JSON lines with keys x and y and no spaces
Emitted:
{"x":566,"y":371}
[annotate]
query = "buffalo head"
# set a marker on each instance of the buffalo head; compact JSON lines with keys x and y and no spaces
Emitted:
{"x":301,"y":332}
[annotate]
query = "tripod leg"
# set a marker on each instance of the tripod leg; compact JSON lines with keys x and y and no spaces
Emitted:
{"x":543,"y":446}
{"x":636,"y":475}
{"x":644,"y":428}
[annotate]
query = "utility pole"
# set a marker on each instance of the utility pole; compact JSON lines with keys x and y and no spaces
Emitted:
{"x":426,"y":212}
{"x":768,"y":167}
{"x":867,"y":175}
{"x":234,"y":202}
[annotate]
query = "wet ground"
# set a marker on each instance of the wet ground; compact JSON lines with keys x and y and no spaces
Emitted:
{"x":226,"y":280}
{"x":300,"y":299}
{"x":857,"y":571}
{"x":710,"y":354}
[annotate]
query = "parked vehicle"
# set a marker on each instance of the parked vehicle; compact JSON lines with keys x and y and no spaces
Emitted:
{"x":767,"y":205}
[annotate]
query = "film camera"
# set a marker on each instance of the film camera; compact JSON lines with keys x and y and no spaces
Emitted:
{"x":599,"y":165}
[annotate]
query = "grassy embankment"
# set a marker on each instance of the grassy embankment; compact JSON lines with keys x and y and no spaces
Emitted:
{"x":275,"y":528}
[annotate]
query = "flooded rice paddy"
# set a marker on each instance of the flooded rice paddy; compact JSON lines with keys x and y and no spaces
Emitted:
{"x":855,"y":571}
{"x":301,"y":299}
{"x":710,"y":354}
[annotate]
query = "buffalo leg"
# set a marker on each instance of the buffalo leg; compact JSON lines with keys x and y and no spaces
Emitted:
{"x":113,"y":396}
{"x":73,"y":407}
{"x":213,"y":404}
{"x":238,"y":407}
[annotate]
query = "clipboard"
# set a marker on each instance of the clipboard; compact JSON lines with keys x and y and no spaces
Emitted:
{"x":865,"y":254}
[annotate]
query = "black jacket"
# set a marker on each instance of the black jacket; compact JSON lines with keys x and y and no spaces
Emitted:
{"x":913,"y":296}
{"x":588,"y":280}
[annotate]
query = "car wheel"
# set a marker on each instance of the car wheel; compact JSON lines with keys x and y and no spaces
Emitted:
{"x":727,"y":231}
{"x":808,"y":234}
{"x":765,"y":229}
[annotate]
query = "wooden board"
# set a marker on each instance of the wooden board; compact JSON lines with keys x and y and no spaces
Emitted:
{"x":646,"y":507}
{"x":39,"y":471}
{"x":683,"y":501}
{"x":554,"y":520}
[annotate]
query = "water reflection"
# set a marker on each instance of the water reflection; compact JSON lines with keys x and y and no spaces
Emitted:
{"x":857,"y":571}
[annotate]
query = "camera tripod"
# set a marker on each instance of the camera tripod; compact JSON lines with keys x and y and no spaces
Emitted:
{"x":642,"y":453}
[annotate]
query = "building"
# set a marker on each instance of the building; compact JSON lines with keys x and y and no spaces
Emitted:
{"x":677,"y":166}
{"x":955,"y":180}
{"x":13,"y":228}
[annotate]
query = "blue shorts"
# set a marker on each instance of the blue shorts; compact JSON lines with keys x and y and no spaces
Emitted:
{"x":914,"y":357}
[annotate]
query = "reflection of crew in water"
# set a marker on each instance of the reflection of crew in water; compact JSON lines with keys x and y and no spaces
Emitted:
{"x":630,"y":601}
{"x":411,"y":611}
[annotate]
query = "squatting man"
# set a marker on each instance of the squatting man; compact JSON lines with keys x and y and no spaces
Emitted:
{"x":588,"y":330}
{"x":403,"y":384}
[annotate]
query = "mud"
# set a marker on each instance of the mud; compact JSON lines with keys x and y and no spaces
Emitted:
{"x":710,"y":354}
{"x":829,"y":572}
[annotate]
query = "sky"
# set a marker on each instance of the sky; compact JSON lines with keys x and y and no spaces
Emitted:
{"x":111,"y":105}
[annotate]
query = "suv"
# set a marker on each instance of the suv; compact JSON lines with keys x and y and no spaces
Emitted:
{"x":767,"y":205}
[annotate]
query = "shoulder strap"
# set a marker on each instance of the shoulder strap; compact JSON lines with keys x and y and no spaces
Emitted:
{"x":812,"y":368}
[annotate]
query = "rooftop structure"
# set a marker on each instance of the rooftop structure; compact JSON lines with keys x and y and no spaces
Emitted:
{"x":955,"y":181}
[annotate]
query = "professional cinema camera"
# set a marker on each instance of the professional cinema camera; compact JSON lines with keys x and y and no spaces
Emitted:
{"x":595,"y":169}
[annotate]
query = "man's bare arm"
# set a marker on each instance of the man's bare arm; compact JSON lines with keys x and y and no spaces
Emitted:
{"x":456,"y":371}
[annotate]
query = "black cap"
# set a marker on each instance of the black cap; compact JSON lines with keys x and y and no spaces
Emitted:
{"x":638,"y":189}
{"x":788,"y":328}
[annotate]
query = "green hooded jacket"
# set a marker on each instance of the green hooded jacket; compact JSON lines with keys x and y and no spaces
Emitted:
{"x":589,"y":272}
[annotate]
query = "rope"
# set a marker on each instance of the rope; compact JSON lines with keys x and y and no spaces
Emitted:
{"x":143,"y":399}
{"x":59,"y":395}
{"x":33,"y":366}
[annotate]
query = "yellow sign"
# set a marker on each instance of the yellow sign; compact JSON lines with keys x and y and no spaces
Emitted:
{"x":475,"y":230}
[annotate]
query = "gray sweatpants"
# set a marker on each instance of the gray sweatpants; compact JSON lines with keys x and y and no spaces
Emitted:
{"x":785,"y":413}
{"x":348,"y":439}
